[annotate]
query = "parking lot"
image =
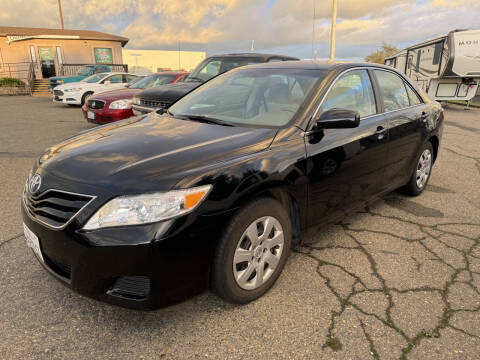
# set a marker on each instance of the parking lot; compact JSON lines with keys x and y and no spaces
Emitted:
{"x":401,"y":279}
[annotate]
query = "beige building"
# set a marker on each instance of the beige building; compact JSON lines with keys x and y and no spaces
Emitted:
{"x":51,"y":49}
{"x":149,"y":61}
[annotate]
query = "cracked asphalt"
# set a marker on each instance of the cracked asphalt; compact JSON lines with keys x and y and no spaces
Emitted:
{"x":398,"y":280}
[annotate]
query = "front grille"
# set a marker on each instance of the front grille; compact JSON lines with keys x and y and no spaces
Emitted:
{"x":95,"y":104}
{"x":58,"y":92}
{"x":54,"y":207}
{"x":155,"y":103}
{"x":131,"y":287}
{"x":58,"y":267}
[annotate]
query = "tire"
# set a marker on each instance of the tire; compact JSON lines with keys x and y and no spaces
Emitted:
{"x":415,"y":187}
{"x":231,"y":281}
{"x":84,"y":97}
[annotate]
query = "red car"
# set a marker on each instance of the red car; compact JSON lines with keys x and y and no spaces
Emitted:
{"x":116,"y":105}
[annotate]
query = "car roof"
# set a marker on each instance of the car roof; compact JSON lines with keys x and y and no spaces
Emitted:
{"x":264,"y":57}
{"x":314,"y":65}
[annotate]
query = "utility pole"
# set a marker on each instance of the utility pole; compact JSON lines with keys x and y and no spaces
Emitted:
{"x":252,"y":46}
{"x":313,"y":31}
{"x":332,"y":33}
{"x":60,"y":12}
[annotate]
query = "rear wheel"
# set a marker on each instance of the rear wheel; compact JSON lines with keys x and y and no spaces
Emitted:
{"x":422,"y":171}
{"x":252,"y":251}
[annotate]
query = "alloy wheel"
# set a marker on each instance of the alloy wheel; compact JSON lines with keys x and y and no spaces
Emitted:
{"x":423,"y":168}
{"x":258,"y":253}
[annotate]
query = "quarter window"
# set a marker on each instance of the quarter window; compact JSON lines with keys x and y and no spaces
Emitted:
{"x":114,"y":79}
{"x":352,"y":91}
{"x":393,"y":90}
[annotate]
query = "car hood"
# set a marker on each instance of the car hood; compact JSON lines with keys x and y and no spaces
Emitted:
{"x":116,"y":94}
{"x":169,"y":92}
{"x":68,"y":78}
{"x":150,"y":153}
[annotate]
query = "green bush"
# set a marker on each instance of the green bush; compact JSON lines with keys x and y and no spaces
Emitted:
{"x":6,"y":81}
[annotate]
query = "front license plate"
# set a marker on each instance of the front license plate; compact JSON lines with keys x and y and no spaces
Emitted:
{"x":32,"y":241}
{"x":91,"y":115}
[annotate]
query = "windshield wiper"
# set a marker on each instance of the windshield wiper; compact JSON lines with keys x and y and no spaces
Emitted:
{"x":203,"y":119}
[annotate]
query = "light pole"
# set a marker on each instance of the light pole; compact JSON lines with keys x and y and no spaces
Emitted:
{"x":332,"y":33}
{"x":60,"y":12}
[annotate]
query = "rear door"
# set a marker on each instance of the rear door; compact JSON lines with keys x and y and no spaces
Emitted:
{"x":405,"y":113}
{"x":346,"y":166}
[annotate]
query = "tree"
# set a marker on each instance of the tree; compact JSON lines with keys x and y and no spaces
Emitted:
{"x":379,"y":56}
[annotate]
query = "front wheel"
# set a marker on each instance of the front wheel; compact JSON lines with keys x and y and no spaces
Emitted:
{"x":84,"y":97}
{"x":421,"y":173}
{"x":252,"y":251}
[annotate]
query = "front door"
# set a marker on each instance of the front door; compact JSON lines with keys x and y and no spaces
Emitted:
{"x":47,"y":61}
{"x":346,"y":166}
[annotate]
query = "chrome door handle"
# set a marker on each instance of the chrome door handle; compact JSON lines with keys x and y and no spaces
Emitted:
{"x":381,"y":132}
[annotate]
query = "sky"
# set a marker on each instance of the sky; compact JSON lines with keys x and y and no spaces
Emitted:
{"x":278,"y":26}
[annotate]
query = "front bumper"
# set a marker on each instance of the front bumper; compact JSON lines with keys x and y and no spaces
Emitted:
{"x":68,"y":98}
{"x":140,"y":267}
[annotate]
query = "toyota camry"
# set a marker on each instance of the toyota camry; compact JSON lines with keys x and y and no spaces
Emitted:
{"x":215,"y":191}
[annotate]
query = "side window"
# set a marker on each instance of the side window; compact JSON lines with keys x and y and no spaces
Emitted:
{"x":115,"y":79}
{"x":393,"y":90}
{"x":414,"y":99}
{"x":98,"y":70}
{"x":352,"y":91}
{"x":127,"y":78}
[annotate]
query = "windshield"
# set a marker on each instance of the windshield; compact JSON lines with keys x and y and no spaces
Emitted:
{"x":84,"y":71}
{"x":212,"y":67}
{"x":94,"y":78}
{"x":153,"y":80}
{"x":262,"y":97}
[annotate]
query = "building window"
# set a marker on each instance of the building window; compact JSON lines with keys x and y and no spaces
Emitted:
{"x":103,"y":55}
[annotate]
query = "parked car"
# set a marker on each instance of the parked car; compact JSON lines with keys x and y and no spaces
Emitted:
{"x":84,"y":72}
{"x":77,"y":93}
{"x":162,"y":97}
{"x":143,"y":213}
{"x":116,"y":105}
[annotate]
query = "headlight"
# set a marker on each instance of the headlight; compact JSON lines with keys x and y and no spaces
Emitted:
{"x":136,"y":100}
{"x":147,"y":208}
{"x":72,"y":89}
{"x":121,"y":104}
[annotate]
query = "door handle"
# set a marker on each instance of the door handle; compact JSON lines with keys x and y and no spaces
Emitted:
{"x":381,"y":132}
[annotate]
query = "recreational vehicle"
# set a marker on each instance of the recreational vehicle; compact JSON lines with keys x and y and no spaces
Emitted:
{"x":446,"y":68}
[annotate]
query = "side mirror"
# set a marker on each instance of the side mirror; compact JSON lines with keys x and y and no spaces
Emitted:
{"x":338,"y":119}
{"x":107,"y":82}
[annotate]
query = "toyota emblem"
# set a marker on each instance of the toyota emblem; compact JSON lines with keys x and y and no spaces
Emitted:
{"x":34,"y":183}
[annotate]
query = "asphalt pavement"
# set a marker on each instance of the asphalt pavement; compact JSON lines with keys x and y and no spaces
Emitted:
{"x":400,"y":279}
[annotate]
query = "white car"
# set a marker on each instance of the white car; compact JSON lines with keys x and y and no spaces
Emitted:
{"x":76,"y":93}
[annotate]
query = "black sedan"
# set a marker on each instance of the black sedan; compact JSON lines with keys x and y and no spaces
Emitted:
{"x":214,"y":192}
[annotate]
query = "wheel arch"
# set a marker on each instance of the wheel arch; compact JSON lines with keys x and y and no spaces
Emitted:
{"x":281,"y":194}
{"x":435,"y":144}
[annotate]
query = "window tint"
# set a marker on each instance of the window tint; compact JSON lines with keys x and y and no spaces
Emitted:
{"x":414,"y":99}
{"x":352,"y":91}
{"x":393,"y":90}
